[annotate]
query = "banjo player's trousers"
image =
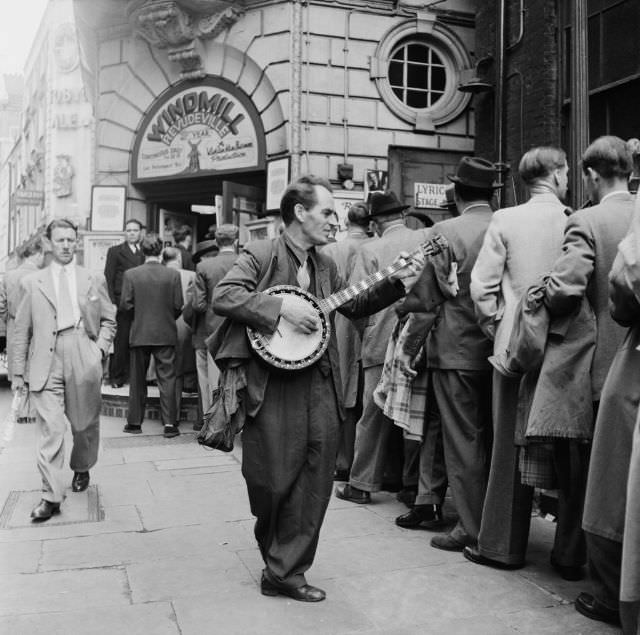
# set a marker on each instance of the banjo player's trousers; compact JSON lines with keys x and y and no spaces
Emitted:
{"x":288,"y":458}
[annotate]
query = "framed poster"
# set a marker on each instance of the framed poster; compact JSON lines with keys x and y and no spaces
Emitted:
{"x":277,"y":181}
{"x":344,"y":199}
{"x":95,"y":247}
{"x":107,"y":208}
{"x":375,"y":181}
{"x":170,"y":221}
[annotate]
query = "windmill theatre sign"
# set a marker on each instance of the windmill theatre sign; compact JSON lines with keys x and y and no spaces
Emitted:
{"x":202,"y":130}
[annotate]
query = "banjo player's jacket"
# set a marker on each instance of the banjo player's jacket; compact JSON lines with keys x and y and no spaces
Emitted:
{"x":264,"y":264}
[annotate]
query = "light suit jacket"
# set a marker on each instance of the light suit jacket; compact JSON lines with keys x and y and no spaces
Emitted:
{"x":36,"y":322}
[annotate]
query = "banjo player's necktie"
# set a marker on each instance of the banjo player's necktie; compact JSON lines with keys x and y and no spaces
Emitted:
{"x":65,"y":309}
{"x":304,"y":280}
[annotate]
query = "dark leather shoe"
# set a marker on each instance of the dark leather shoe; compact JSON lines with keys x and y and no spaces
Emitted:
{"x":353,"y":494}
{"x":592,"y":608}
{"x":567,"y":572}
{"x":170,"y":432}
{"x":80,"y":481}
{"x":44,"y":510}
{"x":472,"y":554}
{"x":132,"y":429}
{"x":304,"y":593}
{"x":421,"y":517}
{"x":341,"y":475}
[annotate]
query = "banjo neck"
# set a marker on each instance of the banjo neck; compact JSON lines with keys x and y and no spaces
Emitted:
{"x":428,"y":248}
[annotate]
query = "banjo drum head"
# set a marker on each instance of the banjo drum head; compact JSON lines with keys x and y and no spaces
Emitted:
{"x":289,"y":348}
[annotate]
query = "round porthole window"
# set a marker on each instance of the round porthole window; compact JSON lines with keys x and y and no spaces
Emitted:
{"x":417,"y":73}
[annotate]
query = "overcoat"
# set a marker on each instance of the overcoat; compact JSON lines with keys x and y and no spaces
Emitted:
{"x":119,"y":259}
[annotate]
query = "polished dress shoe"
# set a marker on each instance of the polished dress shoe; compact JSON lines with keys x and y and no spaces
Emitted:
{"x":567,"y":572}
{"x":80,"y":481}
{"x":472,"y":554}
{"x":353,"y":494}
{"x":592,"y":608}
{"x":132,"y":429}
{"x":421,"y":517}
{"x":44,"y":510}
{"x":304,"y":593}
{"x":170,"y":432}
{"x":447,"y":542}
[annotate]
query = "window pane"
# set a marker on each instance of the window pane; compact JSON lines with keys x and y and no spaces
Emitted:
{"x":434,"y":97}
{"x":398,"y":92}
{"x":416,"y":99}
{"x":399,"y":54}
{"x":418,"y":53}
{"x":417,"y":76}
{"x":438,"y":79}
{"x":395,"y":74}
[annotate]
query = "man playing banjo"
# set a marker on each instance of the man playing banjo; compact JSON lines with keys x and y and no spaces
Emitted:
{"x":293,"y":415}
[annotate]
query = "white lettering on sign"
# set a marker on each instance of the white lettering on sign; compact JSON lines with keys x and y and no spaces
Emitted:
{"x":429,"y":194}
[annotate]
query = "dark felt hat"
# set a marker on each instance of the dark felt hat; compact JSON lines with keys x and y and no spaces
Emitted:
{"x":203,"y":248}
{"x":476,"y":172}
{"x":381,"y":203}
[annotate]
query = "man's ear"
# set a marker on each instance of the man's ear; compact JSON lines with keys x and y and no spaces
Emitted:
{"x":299,"y":211}
{"x":593,"y":175}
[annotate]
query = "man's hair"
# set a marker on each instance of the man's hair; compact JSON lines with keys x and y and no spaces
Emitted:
{"x":226,"y":234}
{"x":467,"y":193}
{"x":180,"y":233}
{"x":169,"y":254}
{"x":65,"y":223}
{"x":136,"y":221}
{"x":358,"y":214}
{"x":151,"y":245}
{"x":610,"y":157}
{"x":540,"y":162}
{"x":32,"y":247}
{"x":301,"y":191}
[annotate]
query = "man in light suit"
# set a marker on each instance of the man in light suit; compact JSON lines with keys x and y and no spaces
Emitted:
{"x":33,"y":259}
{"x":374,"y":430}
{"x":120,"y":258}
{"x":64,"y":326}
{"x":209,"y":271}
{"x":520,"y":246}
{"x":152,"y":295}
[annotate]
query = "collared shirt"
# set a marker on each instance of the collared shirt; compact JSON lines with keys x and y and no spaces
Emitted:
{"x":134,"y":248}
{"x":73,"y":288}
{"x":393,"y":228}
{"x":614,"y":193}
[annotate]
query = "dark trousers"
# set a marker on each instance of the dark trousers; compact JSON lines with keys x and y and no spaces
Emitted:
{"x":288,"y":457}
{"x":164,"y":357}
{"x":119,"y":363}
{"x":605,"y":567}
{"x":464,"y":402}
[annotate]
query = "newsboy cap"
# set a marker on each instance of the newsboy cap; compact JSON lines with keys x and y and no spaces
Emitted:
{"x":476,"y":173}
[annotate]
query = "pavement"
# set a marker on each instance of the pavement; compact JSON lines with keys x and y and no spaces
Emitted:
{"x":161,"y":543}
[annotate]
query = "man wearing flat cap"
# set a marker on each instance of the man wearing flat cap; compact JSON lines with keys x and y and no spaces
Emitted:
{"x":374,"y":430}
{"x":209,"y":271}
{"x":459,"y":371}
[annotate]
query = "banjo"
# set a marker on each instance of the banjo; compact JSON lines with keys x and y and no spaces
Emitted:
{"x":291,"y":349}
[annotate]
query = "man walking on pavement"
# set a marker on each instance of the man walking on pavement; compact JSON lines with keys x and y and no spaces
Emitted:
{"x":209,"y":271}
{"x":120,"y":258}
{"x":457,"y":359}
{"x":374,"y":429}
{"x":152,"y":295}
{"x":64,"y":327}
{"x":10,"y":295}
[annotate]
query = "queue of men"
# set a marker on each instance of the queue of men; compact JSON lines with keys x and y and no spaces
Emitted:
{"x":518,"y":341}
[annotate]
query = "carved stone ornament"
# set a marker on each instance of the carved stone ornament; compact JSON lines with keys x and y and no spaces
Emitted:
{"x":178,"y":25}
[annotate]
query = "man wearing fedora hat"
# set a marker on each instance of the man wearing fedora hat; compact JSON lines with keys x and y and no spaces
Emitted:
{"x":209,"y":271}
{"x":459,"y":371}
{"x":374,"y":431}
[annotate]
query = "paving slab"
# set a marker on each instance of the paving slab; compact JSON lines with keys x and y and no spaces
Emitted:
{"x":108,"y":550}
{"x":195,"y":576}
{"x":227,"y":612}
{"x":20,"y":557}
{"x":211,"y":459}
{"x":153,"y":619}
{"x":477,"y":625}
{"x":556,"y":620}
{"x":62,"y":591}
